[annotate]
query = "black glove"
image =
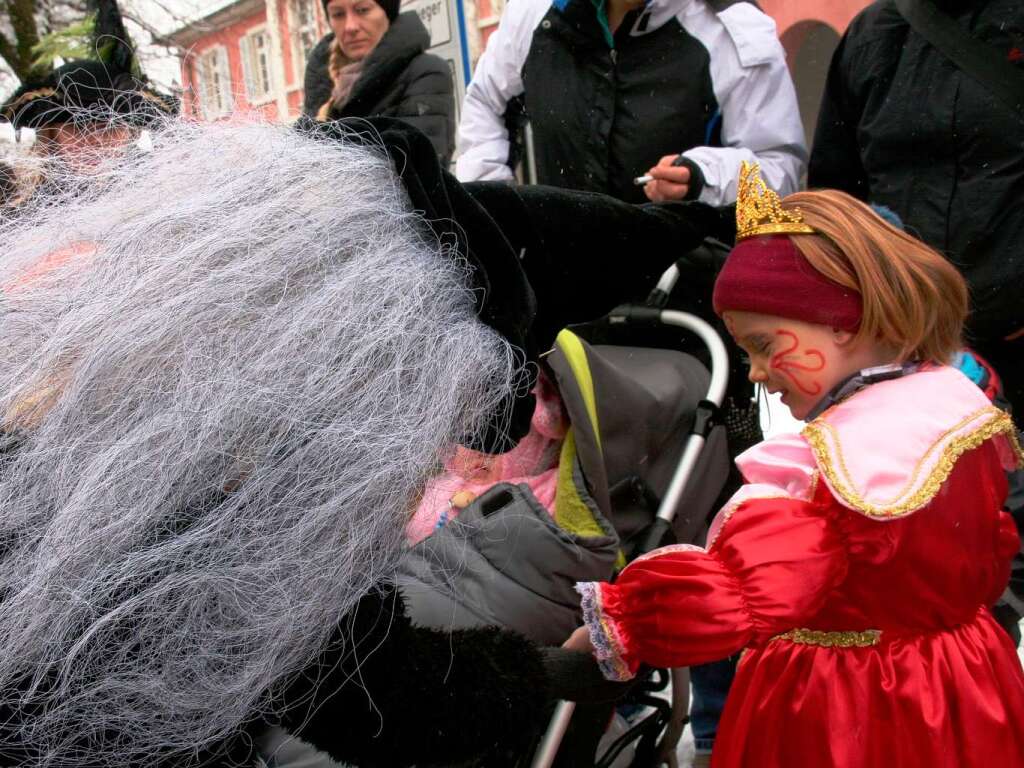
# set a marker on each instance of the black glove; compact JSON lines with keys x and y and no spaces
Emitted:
{"x":575,"y":676}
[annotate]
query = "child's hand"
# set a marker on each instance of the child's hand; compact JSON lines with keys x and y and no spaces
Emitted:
{"x":579,"y":641}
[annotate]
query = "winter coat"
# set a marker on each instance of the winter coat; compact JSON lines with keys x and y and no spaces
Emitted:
{"x":399,"y":79}
{"x":707,"y":79}
{"x":900,"y":125}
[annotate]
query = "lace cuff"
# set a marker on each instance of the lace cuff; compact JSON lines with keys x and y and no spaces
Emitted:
{"x":606,"y":635}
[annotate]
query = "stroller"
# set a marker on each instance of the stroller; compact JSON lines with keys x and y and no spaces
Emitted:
{"x":643,"y":421}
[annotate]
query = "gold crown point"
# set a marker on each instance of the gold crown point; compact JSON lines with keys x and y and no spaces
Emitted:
{"x":758,"y":209}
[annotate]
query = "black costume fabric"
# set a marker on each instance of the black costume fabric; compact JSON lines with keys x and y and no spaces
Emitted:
{"x":110,"y":86}
{"x":399,"y":79}
{"x":492,"y":684}
{"x":584,"y":253}
{"x":545,"y":257}
{"x":84,"y":92}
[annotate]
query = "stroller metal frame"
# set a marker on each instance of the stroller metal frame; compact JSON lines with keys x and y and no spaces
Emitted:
{"x":703,"y":422}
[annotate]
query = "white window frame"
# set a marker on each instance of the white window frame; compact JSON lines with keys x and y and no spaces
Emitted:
{"x":254,"y":48}
{"x":212,"y":72}
{"x":296,"y":32}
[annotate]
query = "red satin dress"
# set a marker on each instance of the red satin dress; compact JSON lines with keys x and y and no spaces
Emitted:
{"x":855,"y":569}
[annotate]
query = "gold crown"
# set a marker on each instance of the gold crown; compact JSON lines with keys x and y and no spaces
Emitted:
{"x":758,"y":211}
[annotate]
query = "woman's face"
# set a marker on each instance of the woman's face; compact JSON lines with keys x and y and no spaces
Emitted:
{"x":358,"y":26}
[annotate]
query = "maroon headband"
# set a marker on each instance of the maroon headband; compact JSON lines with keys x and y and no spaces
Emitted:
{"x":768,"y":275}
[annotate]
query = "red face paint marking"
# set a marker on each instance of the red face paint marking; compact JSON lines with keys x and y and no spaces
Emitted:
{"x":794,"y":366}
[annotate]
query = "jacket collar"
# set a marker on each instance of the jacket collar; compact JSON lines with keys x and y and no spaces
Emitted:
{"x":647,"y":18}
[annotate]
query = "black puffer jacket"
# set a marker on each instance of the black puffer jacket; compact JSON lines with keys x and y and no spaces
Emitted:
{"x":399,"y":80}
{"x":902,"y":126}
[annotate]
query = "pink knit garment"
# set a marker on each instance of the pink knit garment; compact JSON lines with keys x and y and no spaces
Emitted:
{"x":534,"y":461}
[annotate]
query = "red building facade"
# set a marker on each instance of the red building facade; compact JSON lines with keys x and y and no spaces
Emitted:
{"x":248,"y":56}
{"x":809,"y":32}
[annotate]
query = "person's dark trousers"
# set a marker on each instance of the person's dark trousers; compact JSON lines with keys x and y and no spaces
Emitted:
{"x":1007,"y":358}
{"x":711,"y":683}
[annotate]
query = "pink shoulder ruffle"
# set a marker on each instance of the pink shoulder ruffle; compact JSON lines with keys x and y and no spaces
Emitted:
{"x":886,"y":450}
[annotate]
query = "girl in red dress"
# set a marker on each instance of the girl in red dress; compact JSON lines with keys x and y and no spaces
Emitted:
{"x":857,"y":565}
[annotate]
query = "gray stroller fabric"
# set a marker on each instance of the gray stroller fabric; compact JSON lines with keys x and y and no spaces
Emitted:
{"x":646,"y":401}
{"x":506,"y":562}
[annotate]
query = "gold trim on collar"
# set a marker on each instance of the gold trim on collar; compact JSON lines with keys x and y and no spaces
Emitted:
{"x":818,"y":431}
{"x":861,"y":639}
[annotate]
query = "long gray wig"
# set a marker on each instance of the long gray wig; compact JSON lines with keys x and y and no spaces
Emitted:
{"x":226,"y":401}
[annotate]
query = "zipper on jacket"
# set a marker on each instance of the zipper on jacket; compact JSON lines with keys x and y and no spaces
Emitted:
{"x":615,"y":56}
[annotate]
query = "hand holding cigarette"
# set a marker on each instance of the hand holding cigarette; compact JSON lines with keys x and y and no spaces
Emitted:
{"x":668,"y":180}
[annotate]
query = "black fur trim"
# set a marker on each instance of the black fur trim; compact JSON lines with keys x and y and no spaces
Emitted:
{"x":391,"y":694}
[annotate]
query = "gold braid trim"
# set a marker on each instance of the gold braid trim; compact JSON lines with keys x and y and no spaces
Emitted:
{"x":41,"y":93}
{"x":815,"y":433}
{"x":157,"y":99}
{"x":861,"y":639}
{"x":38,"y":93}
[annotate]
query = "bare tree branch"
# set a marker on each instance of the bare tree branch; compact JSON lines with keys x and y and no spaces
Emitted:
{"x":175,"y":14}
{"x":24,"y":22}
{"x":26,"y":34}
{"x":155,"y":34}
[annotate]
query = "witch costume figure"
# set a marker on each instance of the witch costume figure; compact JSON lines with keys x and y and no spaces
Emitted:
{"x":86,"y":107}
{"x":218,"y":415}
{"x":857,"y":565}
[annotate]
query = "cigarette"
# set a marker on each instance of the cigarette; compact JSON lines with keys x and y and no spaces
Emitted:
{"x":641,"y":180}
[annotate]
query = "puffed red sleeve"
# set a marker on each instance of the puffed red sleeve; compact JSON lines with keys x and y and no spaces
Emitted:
{"x":775,"y":554}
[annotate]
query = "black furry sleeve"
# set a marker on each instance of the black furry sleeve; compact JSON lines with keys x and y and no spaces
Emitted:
{"x":584,"y":253}
{"x":391,"y":694}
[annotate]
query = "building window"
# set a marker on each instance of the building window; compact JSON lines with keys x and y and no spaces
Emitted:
{"x":256,"y":65}
{"x":305,"y":33}
{"x":213,"y":76}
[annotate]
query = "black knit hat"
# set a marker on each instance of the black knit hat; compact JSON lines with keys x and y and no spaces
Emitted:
{"x":108,"y":87}
{"x":390,"y":8}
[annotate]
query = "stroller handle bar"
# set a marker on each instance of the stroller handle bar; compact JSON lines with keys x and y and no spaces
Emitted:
{"x":548,"y":749}
{"x":715,"y":396}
